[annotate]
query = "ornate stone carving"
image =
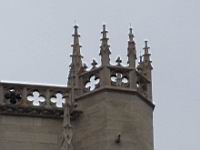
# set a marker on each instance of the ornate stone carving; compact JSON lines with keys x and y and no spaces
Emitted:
{"x":118,"y":61}
{"x":58,"y":99}
{"x":13,"y":96}
{"x":30,"y":100}
{"x":92,"y":83}
{"x":119,"y":80}
{"x":36,"y":98}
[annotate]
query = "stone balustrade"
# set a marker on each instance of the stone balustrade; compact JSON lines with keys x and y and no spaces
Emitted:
{"x":32,"y":99}
{"x":119,"y":78}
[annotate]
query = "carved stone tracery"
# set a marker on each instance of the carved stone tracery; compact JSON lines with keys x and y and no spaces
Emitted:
{"x":58,"y":99}
{"x":36,"y":98}
{"x":30,"y":100}
{"x":46,"y":101}
{"x":92,"y":83}
{"x":13,"y":96}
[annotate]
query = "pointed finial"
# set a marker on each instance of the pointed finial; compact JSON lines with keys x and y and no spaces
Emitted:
{"x":94,"y":63}
{"x":104,"y":27}
{"x":146,"y":47}
{"x":146,"y":56}
{"x":76,"y":30}
{"x":76,"y":46}
{"x":146,"y":43}
{"x":131,"y":49}
{"x":76,"y":64}
{"x":118,"y":61}
{"x":104,"y":32}
{"x":104,"y":48}
{"x":131,"y":36}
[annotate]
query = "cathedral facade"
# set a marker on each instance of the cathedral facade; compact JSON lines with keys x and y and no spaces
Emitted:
{"x":107,"y":107}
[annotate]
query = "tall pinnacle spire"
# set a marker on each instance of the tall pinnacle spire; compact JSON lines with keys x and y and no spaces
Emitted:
{"x":147,"y":69}
{"x":104,"y":52}
{"x":76,"y":46}
{"x":131,"y":36}
{"x":105,"y":59}
{"x":146,"y":53}
{"x":131,"y":49}
{"x":76,"y":59}
{"x":131,"y":59}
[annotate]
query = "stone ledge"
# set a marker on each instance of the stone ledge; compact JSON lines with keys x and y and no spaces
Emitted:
{"x":126,"y":90}
{"x":31,"y":111}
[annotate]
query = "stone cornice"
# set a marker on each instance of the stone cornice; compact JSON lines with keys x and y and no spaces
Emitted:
{"x":119,"y":89}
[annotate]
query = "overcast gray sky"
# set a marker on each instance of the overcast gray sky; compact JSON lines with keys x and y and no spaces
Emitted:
{"x":35,"y":38}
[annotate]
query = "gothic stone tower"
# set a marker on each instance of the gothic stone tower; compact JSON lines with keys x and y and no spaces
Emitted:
{"x":116,"y":100}
{"x":108,"y":107}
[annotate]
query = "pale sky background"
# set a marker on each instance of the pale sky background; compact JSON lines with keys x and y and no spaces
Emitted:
{"x":35,"y":38}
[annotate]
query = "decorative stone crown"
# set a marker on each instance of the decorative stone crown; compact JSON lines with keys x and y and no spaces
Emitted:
{"x":48,"y":100}
{"x":133,"y":76}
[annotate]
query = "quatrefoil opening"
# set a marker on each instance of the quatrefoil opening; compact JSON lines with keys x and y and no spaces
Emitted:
{"x":13,"y":96}
{"x":92,"y":83}
{"x":58,"y":99}
{"x":119,"y":79}
{"x":36,"y":98}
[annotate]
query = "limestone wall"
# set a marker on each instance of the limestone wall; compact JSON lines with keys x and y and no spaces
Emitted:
{"x":110,"y":113}
{"x":29,"y":133}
